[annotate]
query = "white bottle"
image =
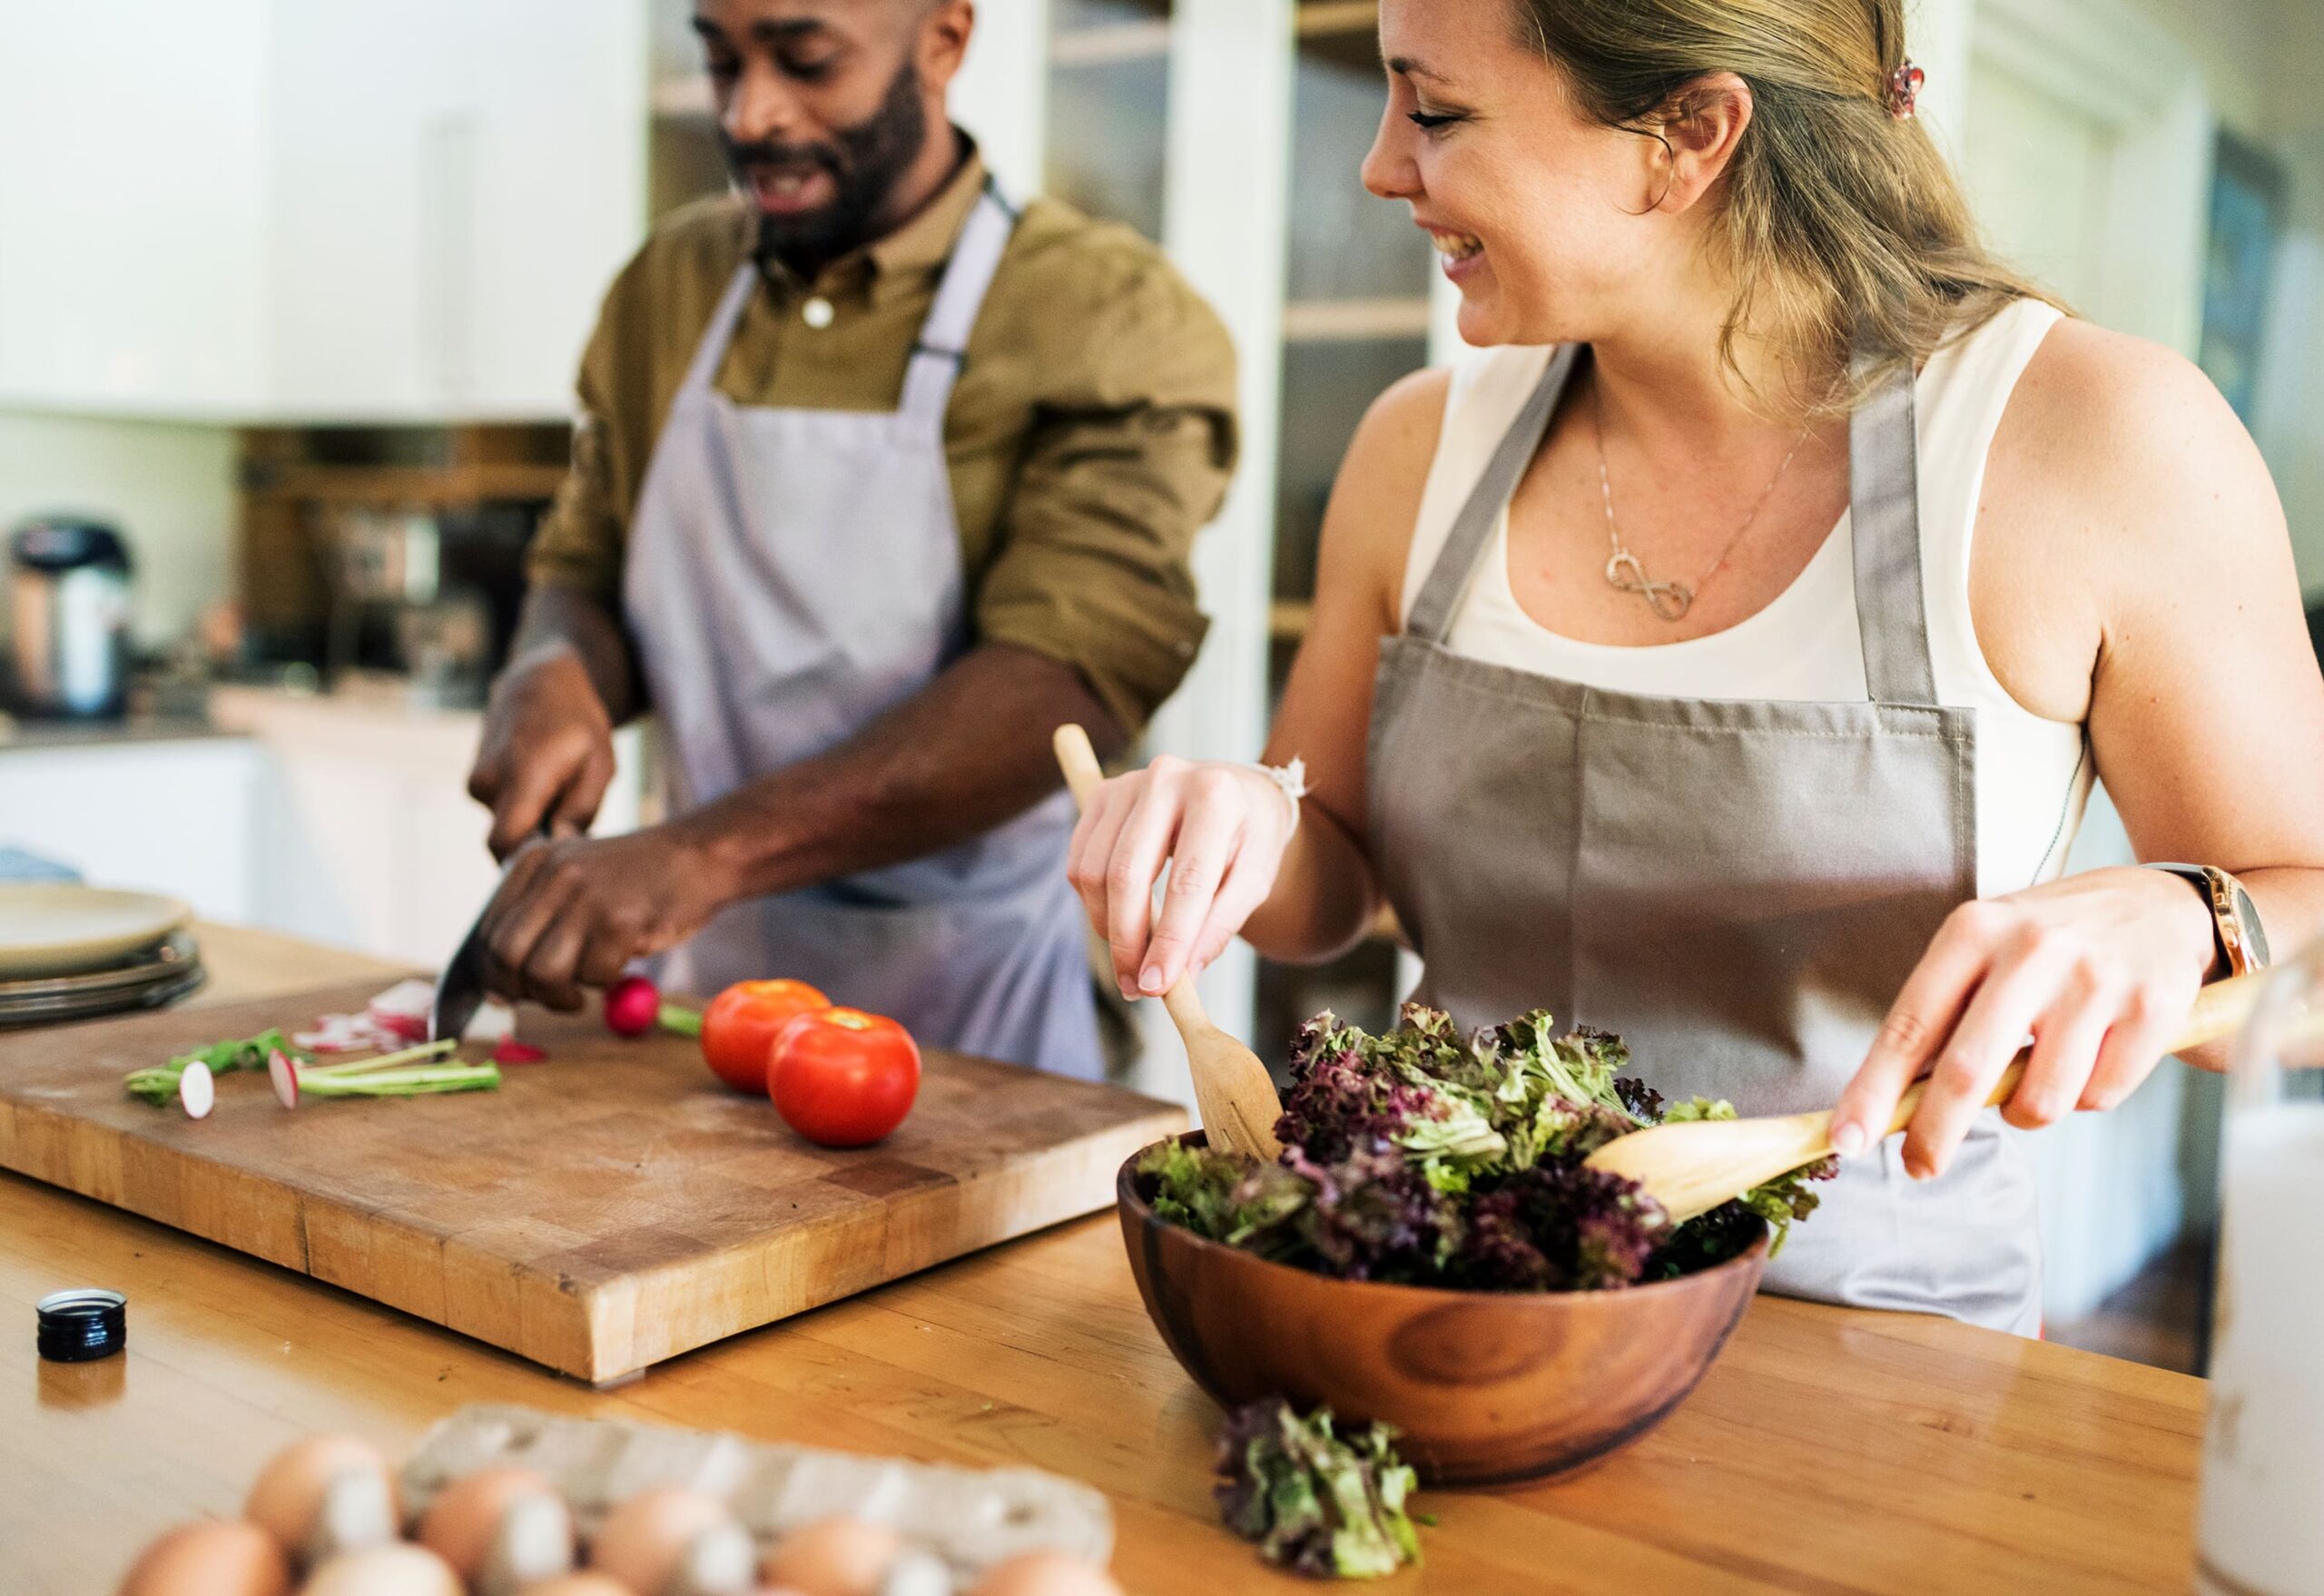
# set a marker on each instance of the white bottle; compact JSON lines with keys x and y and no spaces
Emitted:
{"x":2262,"y":1526}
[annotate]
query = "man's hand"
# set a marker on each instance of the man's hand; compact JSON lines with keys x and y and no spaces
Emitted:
{"x":572,"y":913}
{"x":547,"y":754}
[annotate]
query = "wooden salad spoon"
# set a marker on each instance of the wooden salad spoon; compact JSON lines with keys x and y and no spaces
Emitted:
{"x":1233,"y":1091}
{"x":1692,"y":1167}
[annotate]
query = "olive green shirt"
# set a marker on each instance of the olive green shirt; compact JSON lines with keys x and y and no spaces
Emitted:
{"x":1091,"y":432}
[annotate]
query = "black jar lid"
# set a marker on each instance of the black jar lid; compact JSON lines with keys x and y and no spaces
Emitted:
{"x":76,"y":1326}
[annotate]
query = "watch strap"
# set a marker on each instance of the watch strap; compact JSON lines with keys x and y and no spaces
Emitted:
{"x":2236,"y":930}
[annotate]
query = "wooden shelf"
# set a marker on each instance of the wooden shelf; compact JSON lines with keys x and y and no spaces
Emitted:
{"x":1111,"y":45}
{"x":1354,"y":321}
{"x":1290,"y":617}
{"x":475,"y":482}
{"x":1323,"y":17}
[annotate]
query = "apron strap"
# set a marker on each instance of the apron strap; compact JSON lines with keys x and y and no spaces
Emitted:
{"x":702,"y":372}
{"x":1885,"y":519}
{"x":1471,"y":533}
{"x":943,"y":340}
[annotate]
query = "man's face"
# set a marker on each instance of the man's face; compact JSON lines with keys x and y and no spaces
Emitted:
{"x":823,"y":107}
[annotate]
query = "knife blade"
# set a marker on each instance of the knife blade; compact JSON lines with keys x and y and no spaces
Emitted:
{"x":459,"y":991}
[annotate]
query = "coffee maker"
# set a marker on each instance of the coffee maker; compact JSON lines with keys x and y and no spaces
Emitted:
{"x":69,"y":605}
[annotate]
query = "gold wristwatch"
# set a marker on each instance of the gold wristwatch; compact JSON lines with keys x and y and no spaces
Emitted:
{"x":2235,"y":919}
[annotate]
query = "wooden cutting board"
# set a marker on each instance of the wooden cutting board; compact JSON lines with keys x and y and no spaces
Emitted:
{"x":603,"y":1210}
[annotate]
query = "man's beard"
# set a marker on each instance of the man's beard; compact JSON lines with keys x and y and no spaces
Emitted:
{"x":865,"y":161}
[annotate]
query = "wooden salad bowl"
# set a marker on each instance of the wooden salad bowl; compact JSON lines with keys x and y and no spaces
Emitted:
{"x":1487,"y":1387}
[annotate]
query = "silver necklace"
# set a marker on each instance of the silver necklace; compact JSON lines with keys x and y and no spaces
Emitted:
{"x":1624,"y":570}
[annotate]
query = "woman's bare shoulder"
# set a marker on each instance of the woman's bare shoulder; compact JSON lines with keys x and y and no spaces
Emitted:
{"x":2120,"y":480}
{"x":2107,"y":428}
{"x":1368,"y":528}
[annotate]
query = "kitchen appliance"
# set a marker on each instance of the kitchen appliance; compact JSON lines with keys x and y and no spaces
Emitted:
{"x":432,"y":595}
{"x":68,"y":618}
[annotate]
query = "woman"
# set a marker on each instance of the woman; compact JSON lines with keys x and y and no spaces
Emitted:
{"x":1724,"y":657}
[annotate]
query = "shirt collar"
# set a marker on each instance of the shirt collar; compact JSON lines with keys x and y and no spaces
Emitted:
{"x":912,"y":252}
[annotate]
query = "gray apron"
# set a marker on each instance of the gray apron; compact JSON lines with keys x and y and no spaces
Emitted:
{"x":793,"y":575}
{"x":1739,"y":887}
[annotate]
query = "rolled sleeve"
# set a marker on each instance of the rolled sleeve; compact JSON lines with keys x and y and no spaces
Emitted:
{"x":1130,"y":454}
{"x":579,"y":543}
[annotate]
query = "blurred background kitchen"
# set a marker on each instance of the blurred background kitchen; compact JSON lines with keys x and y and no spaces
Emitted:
{"x":290,"y":298}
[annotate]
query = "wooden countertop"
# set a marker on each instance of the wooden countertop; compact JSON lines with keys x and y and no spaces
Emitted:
{"x":1827,"y":1450}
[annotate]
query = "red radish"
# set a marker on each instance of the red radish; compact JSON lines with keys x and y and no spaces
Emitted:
{"x":198,"y":1090}
{"x":632,"y":1006}
{"x":512,"y":1051}
{"x":285,"y":1075}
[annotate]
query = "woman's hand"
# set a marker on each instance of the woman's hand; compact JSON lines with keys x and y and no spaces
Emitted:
{"x":1220,"y":828}
{"x":2101,"y":969}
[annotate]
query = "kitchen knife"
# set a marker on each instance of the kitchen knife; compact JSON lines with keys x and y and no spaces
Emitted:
{"x":459,"y":991}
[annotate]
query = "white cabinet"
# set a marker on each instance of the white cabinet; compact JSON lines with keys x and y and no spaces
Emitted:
{"x":273,"y":210}
{"x":345,"y":821}
{"x":174,"y":817}
{"x":368,"y":839}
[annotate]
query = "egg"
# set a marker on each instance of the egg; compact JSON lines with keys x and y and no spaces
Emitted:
{"x":210,"y":1559}
{"x":1045,"y":1573}
{"x":358,"y":1510}
{"x":916,"y":1572}
{"x":393,"y":1569}
{"x":832,"y":1557}
{"x":719,"y":1562}
{"x":644,"y":1540}
{"x":289,"y":1497}
{"x":534,"y":1541}
{"x":461,"y":1522}
{"x":582,"y":1584}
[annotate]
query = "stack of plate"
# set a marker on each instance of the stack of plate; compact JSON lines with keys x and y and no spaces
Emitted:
{"x":70,"y":952}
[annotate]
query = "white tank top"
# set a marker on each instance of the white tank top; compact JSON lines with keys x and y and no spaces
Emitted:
{"x":2033,"y":773}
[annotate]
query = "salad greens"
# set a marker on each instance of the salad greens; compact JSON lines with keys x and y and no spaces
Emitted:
{"x":1429,"y":1156}
{"x":1316,"y":1501}
{"x":159,"y":1084}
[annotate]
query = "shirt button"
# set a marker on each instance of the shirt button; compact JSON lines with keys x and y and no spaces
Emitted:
{"x":817,"y":312}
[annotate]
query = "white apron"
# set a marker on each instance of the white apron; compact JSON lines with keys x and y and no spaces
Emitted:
{"x":791,"y":576}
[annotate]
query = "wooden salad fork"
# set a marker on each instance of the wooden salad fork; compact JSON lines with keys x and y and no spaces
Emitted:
{"x":1233,"y":1091}
{"x":1694,"y":1167}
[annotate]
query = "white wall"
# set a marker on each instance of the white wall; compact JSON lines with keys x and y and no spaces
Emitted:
{"x":2260,"y":60}
{"x":168,"y":487}
{"x":2290,"y":420}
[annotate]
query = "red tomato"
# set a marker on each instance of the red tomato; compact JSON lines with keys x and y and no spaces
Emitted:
{"x":739,"y":1027}
{"x":842,"y":1078}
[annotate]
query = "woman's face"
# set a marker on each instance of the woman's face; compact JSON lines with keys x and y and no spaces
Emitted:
{"x":1533,"y":207}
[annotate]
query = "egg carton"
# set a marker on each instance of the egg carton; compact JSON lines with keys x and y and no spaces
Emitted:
{"x":969,"y":1518}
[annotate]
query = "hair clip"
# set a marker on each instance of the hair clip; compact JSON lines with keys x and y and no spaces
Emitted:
{"x":1904,"y":91}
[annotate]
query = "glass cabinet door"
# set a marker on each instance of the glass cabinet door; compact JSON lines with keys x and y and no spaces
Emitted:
{"x":1358,"y":277}
{"x":1107,"y":139}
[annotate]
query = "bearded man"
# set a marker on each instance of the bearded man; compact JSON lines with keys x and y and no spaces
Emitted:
{"x":879,"y":480}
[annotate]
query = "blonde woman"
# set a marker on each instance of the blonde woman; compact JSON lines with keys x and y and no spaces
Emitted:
{"x":1725,"y":655}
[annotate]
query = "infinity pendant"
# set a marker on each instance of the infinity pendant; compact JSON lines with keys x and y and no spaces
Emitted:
{"x":1669,"y":600}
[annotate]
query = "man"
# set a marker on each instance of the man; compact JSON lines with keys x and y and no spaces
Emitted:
{"x":878,"y":482}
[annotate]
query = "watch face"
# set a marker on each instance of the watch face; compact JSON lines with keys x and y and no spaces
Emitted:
{"x":2255,"y":936}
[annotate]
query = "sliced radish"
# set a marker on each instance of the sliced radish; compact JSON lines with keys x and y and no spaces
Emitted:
{"x":406,"y":1000}
{"x":346,"y":1033}
{"x":495,"y":1021}
{"x":198,"y":1090}
{"x":404,"y":1028}
{"x":512,"y":1051}
{"x":285,"y":1075}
